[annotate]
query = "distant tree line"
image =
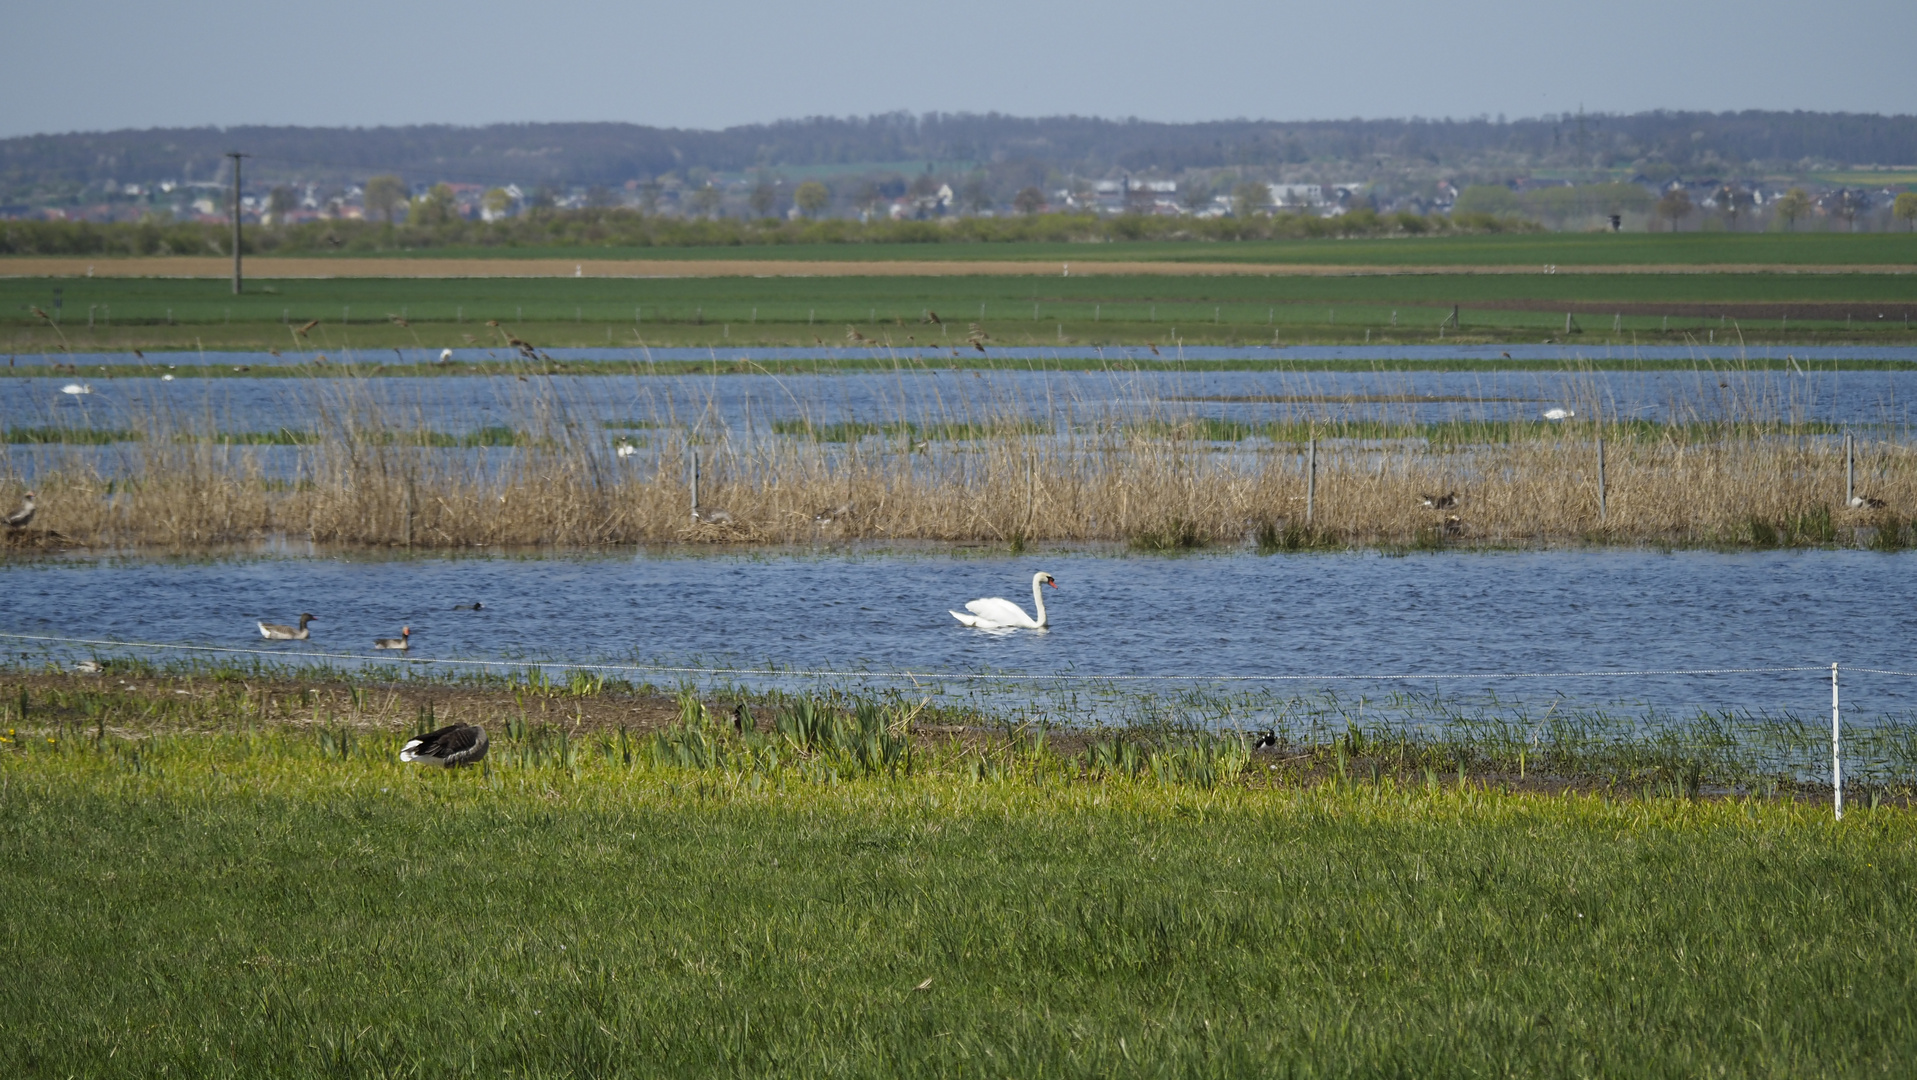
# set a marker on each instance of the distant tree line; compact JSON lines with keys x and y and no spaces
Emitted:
{"x":623,"y":228}
{"x":584,"y":155}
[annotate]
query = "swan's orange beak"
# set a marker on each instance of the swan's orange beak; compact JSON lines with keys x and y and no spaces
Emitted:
{"x":1053,"y":584}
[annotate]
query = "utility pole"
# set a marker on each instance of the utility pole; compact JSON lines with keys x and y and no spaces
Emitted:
{"x":236,"y":156}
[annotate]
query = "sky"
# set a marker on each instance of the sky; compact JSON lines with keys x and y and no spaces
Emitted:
{"x":95,"y":65}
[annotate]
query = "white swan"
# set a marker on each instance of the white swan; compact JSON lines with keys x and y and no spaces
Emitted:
{"x":77,"y":388}
{"x":997,"y":613}
{"x":1559,"y":414}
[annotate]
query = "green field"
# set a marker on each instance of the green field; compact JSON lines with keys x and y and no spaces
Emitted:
{"x":266,"y":901}
{"x":1535,"y":249}
{"x":552,"y":312}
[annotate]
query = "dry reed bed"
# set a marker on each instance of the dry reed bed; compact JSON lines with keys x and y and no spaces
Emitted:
{"x":563,"y":486}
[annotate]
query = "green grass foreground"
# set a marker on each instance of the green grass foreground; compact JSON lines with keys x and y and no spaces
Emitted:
{"x":283,"y":903}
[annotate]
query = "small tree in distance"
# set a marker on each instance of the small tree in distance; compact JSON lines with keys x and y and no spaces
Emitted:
{"x":1795,"y":204}
{"x":1029,"y":200}
{"x":1905,"y":208}
{"x":764,"y":195}
{"x":1675,"y":206}
{"x":384,"y":194}
{"x":1249,"y":197}
{"x":812,"y":198}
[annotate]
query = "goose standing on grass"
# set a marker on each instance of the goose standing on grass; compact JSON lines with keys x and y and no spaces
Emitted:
{"x":403,"y":642}
{"x":452,"y":746}
{"x":997,"y":613}
{"x":278,"y":632}
{"x":22,"y":517}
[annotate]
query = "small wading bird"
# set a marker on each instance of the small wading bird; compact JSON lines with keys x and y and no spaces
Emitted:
{"x":1439,"y":502}
{"x":278,"y":632}
{"x":302,"y":331}
{"x":1559,"y":414}
{"x":403,"y":642}
{"x":20,"y":518}
{"x":997,"y":613}
{"x":452,"y":746}
{"x":1865,"y":502}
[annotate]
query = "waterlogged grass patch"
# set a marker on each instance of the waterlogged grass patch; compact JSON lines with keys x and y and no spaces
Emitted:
{"x":69,"y":436}
{"x":853,"y":430}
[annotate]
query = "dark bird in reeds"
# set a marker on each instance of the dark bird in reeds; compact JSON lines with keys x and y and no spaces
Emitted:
{"x":1507,"y":356}
{"x":22,"y":517}
{"x":275,"y":352}
{"x":1865,"y":502}
{"x":403,"y":642}
{"x":933,"y":317}
{"x":139,"y":354}
{"x":282,"y":632}
{"x":451,"y":746}
{"x":301,"y":331}
{"x":1153,"y":348}
{"x":1447,"y":501}
{"x":979,"y":345}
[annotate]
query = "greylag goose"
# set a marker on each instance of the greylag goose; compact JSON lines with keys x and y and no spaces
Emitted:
{"x":278,"y":632}
{"x":451,"y":746}
{"x":402,"y":642}
{"x":20,"y":518}
{"x":837,"y":513}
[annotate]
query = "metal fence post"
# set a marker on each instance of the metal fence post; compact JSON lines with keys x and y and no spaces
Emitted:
{"x":1311,"y":479}
{"x":1601,"y":506}
{"x":1850,"y":470}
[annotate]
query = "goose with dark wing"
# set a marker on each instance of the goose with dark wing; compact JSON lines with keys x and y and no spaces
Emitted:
{"x":451,"y":746}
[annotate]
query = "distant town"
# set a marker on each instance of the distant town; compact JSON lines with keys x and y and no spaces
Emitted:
{"x":1653,"y":171}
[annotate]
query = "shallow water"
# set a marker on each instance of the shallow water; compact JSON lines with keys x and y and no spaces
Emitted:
{"x":929,"y":395}
{"x":1211,"y":616}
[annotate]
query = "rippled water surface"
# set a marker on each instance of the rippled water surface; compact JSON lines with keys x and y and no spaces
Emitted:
{"x":1220,"y":616}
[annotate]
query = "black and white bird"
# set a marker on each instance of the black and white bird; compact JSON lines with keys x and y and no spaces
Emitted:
{"x":402,"y":642}
{"x":279,"y":632}
{"x":1447,"y":501}
{"x":451,"y":746}
{"x":1865,"y":502}
{"x":20,"y":518}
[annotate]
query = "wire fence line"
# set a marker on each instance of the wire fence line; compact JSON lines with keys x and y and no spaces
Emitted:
{"x":665,"y":669}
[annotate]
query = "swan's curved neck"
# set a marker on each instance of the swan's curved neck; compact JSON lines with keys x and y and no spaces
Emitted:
{"x":1038,"y":597}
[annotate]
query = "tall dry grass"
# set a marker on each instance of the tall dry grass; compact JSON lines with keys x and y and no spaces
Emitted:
{"x":370,"y":476}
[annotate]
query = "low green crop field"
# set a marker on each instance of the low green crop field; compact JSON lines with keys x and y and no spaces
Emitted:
{"x":124,"y":313}
{"x":280,"y":902}
{"x":1535,"y":249}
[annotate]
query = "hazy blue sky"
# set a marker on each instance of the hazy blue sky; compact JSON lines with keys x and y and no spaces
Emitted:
{"x":102,"y":64}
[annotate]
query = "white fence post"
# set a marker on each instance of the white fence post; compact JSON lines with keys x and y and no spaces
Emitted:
{"x":1836,"y":751}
